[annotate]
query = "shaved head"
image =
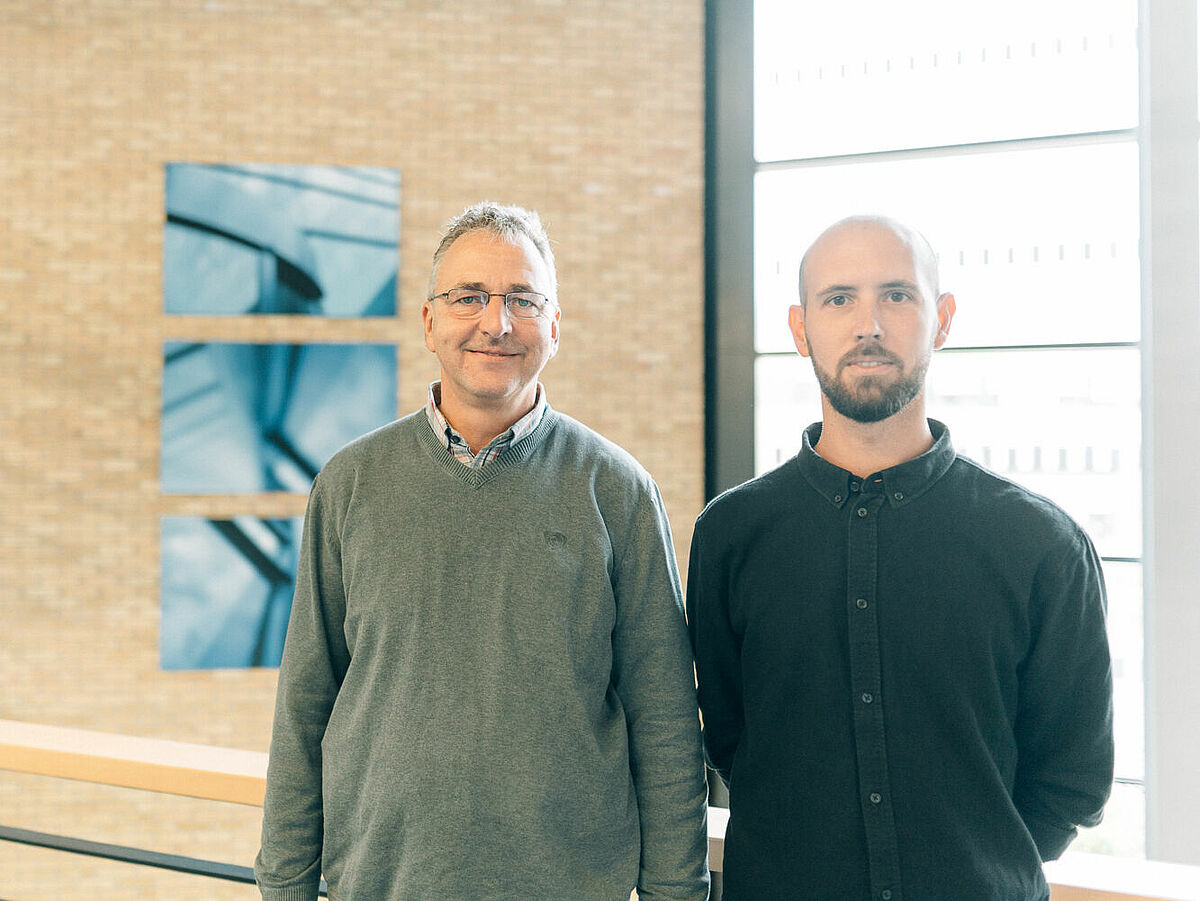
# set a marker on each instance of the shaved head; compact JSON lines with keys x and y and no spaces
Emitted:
{"x":924,"y":259}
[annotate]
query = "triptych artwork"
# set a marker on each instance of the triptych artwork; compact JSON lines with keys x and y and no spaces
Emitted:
{"x":242,"y":418}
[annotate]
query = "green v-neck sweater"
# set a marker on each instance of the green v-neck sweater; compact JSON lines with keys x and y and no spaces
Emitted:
{"x":486,"y":689}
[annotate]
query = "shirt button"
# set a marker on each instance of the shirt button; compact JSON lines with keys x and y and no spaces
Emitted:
{"x":861,"y":603}
{"x":854,"y":486}
{"x":876,"y":798}
{"x":862,"y":511}
{"x":867,"y":697}
{"x":837,"y":498}
{"x":886,"y":894}
{"x":899,"y":495}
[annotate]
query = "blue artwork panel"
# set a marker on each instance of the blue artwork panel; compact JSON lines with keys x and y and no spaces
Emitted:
{"x":227,"y":589}
{"x":248,"y":418}
{"x":257,"y":238}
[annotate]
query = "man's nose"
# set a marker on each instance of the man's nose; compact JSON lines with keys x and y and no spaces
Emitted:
{"x":868,"y":324}
{"x":496,"y":320}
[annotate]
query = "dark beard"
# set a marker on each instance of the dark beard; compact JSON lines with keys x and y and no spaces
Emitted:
{"x":872,"y":400}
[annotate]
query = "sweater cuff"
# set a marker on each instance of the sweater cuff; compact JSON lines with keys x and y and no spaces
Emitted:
{"x":307,"y":891}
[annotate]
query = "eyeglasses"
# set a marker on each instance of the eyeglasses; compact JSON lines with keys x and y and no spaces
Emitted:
{"x":468,"y":303}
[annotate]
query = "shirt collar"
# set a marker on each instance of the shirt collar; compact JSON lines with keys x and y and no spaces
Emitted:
{"x":899,"y":484}
{"x":446,"y":433}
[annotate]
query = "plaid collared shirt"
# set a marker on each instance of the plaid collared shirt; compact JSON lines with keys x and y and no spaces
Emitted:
{"x":462,"y":451}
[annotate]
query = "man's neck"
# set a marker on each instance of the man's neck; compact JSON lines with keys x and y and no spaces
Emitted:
{"x":864,"y":448}
{"x":479,"y":425}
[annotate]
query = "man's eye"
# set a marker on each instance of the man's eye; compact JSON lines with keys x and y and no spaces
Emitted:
{"x":837,"y":300}
{"x":468,"y":300}
{"x":898,"y":296}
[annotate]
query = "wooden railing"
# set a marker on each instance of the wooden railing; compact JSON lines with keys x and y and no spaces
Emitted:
{"x":223,"y":774}
{"x":171,"y":767}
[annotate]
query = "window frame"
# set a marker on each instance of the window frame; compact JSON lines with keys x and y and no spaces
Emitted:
{"x":1167,"y":135}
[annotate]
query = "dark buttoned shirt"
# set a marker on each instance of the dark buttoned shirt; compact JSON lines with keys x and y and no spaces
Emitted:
{"x":904,"y":680}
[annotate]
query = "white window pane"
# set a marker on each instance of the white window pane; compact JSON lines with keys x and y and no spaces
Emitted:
{"x":1125,"y":635}
{"x":836,"y":78}
{"x":1063,"y":423}
{"x":786,"y":399}
{"x":1123,"y":832}
{"x":1038,"y":246}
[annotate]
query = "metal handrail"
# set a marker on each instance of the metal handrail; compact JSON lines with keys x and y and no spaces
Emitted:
{"x":178,"y":863}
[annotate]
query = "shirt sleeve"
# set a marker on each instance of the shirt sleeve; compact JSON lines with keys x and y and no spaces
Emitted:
{"x":1064,"y":720}
{"x":315,"y":657}
{"x":718,"y":650}
{"x":652,"y":676}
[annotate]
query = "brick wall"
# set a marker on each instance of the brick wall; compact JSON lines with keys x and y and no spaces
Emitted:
{"x":590,"y":112}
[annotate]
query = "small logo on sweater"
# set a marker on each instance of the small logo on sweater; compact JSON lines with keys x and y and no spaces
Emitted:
{"x":555,"y":540}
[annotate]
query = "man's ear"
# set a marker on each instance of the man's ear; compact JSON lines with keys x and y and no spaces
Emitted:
{"x":945,"y":313}
{"x":554,"y":329}
{"x":796,"y":324}
{"x":427,"y":320}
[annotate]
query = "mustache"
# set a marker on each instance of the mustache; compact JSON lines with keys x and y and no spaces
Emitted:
{"x":867,"y":352}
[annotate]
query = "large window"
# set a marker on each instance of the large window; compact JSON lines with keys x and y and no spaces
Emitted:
{"x":1014,"y":140}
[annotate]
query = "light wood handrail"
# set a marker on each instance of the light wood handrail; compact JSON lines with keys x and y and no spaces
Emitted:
{"x":172,"y":767}
{"x":239,"y":777}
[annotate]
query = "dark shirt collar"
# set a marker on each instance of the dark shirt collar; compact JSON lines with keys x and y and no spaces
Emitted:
{"x":899,"y":484}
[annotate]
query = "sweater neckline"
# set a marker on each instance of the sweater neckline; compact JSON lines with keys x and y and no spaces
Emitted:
{"x":512,"y":456}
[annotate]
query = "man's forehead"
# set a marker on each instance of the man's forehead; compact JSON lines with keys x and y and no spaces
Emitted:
{"x":863,"y":254}
{"x":481,"y":241}
{"x":482,"y":251}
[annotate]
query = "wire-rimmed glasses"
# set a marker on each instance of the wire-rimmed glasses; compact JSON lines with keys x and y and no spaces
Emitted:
{"x":468,"y":303}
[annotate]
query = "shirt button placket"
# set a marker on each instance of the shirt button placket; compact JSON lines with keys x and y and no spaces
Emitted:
{"x":870,"y":737}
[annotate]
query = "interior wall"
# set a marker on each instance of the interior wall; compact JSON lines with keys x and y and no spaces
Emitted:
{"x":590,"y":112}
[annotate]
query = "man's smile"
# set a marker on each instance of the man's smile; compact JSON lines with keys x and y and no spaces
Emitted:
{"x":868,"y":357}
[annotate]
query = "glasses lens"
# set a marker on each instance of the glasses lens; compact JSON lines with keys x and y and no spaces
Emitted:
{"x":525,"y":305}
{"x":466,"y":303}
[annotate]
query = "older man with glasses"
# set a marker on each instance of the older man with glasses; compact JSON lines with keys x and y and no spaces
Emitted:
{"x":486,"y":690}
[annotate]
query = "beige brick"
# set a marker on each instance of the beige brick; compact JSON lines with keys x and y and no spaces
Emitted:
{"x":590,"y":112}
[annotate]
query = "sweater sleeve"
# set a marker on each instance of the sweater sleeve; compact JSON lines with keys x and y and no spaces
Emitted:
{"x":1064,"y":722}
{"x":717,"y":649}
{"x":315,"y":657}
{"x":652,"y":675}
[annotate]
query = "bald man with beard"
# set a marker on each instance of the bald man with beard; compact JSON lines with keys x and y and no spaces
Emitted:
{"x":902,"y":660}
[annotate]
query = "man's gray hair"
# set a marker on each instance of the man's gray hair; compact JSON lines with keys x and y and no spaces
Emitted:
{"x":509,"y":223}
